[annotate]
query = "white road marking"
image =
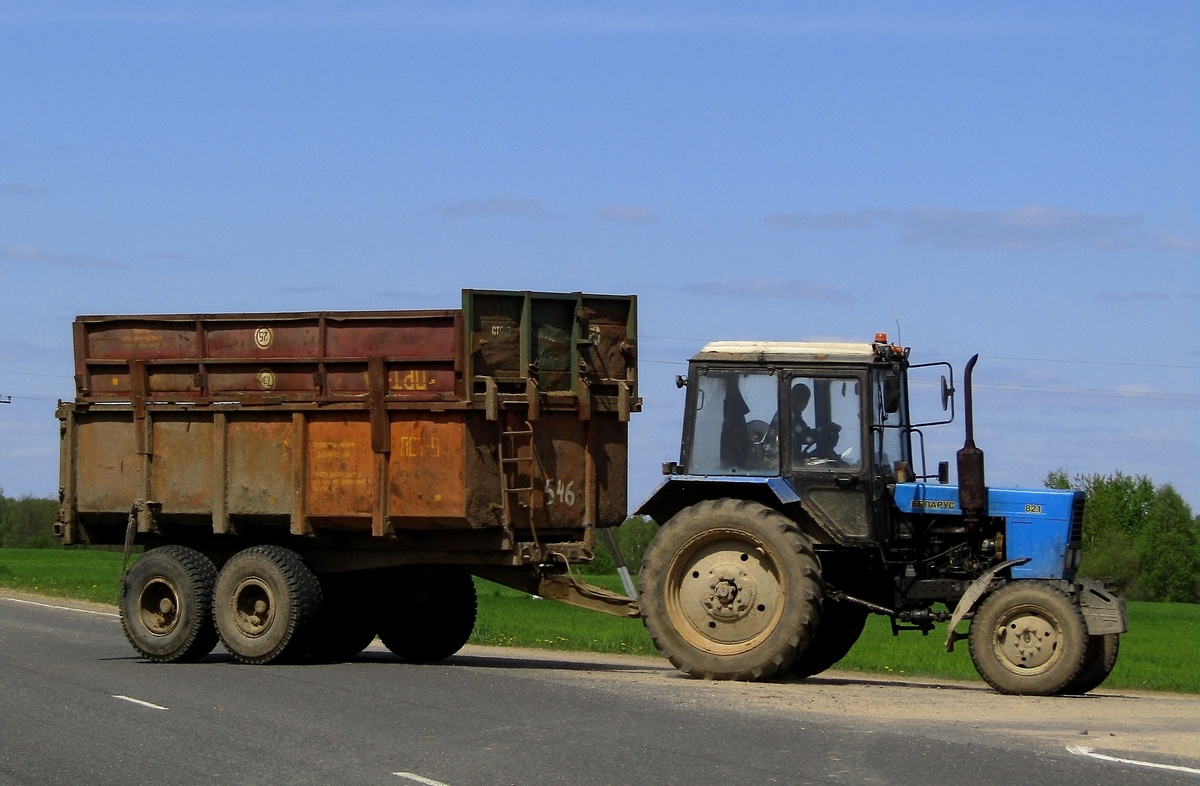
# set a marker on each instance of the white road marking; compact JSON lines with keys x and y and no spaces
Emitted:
{"x":140,"y":702}
{"x":62,"y":608}
{"x":419,"y":779}
{"x":1082,"y":751}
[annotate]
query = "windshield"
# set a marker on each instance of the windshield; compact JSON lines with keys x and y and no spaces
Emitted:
{"x":826,"y":423}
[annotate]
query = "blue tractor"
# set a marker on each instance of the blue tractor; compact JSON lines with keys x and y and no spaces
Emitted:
{"x":801,"y":504}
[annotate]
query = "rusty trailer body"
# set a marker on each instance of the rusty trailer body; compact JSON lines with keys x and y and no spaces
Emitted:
{"x":492,"y":437}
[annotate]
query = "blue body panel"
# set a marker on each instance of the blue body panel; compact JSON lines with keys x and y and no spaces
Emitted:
{"x":1038,"y":522}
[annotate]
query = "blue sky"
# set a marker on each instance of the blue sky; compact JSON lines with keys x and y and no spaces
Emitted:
{"x":1020,"y":180}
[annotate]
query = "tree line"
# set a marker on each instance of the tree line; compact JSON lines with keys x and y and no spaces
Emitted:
{"x":27,"y":523}
{"x":1142,"y":540}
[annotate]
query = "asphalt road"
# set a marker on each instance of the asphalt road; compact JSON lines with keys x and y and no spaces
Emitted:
{"x":78,"y":707}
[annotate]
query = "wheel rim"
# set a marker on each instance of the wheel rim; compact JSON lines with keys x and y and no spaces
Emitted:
{"x":253,"y":607}
{"x":158,"y":606}
{"x":724,"y":592}
{"x":1028,"y":640}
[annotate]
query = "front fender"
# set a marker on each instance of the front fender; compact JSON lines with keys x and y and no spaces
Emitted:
{"x":681,"y":491}
{"x":970,"y":599}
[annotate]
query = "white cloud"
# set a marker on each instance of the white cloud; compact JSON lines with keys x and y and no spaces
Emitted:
{"x":769,"y":288}
{"x":33,"y":254}
{"x":1183,"y":245}
{"x":626,"y":214}
{"x":1019,"y":229}
{"x":21,"y":190}
{"x":502,"y":207}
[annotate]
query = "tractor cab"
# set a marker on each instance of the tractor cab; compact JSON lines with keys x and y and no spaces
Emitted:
{"x":816,"y":424}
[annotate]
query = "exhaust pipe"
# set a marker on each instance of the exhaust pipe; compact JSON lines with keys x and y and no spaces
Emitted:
{"x":972,"y":493}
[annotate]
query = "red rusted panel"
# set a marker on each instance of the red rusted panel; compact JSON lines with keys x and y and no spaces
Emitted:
{"x":122,"y":338}
{"x":403,"y":335}
{"x":263,"y":377}
{"x":268,"y":337}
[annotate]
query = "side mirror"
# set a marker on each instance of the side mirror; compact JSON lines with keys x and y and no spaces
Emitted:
{"x":947,"y":394}
{"x":680,"y":381}
{"x":891,"y":394}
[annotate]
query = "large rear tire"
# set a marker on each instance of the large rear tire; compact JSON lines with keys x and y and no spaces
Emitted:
{"x":1028,"y":638}
{"x":347,"y":622}
{"x":166,"y":605}
{"x":427,"y":613}
{"x":731,"y":590}
{"x":841,"y":625}
{"x":265,"y":600}
{"x":1098,"y":663}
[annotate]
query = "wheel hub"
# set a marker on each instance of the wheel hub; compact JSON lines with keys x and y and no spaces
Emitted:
{"x":158,"y":607}
{"x":1027,"y":642}
{"x":725,"y":594}
{"x":732,"y":593}
{"x":253,"y":607}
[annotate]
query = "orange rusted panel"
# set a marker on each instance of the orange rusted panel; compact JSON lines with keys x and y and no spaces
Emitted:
{"x":426,"y":474}
{"x":341,"y":468}
{"x":107,"y":465}
{"x":182,"y":469}
{"x":259,"y":478}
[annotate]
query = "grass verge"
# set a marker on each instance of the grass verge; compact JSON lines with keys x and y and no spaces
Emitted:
{"x":1158,"y":653}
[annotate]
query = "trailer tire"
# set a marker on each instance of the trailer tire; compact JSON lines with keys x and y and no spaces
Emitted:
{"x":265,"y":600}
{"x":431,"y":614}
{"x":841,"y":625}
{"x":731,"y":590}
{"x":1098,"y":663}
{"x":1028,"y":638}
{"x":347,"y":621}
{"x":166,"y":605}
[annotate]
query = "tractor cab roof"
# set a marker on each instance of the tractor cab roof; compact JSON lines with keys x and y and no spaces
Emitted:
{"x":784,"y":352}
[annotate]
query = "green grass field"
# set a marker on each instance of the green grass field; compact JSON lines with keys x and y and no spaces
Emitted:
{"x":1160,"y":652}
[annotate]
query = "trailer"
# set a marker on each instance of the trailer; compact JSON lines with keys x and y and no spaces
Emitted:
{"x":302,"y":482}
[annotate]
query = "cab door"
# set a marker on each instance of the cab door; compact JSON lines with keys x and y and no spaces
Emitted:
{"x":823,"y":450}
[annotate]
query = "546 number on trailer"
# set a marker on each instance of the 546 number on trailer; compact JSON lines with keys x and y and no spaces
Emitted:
{"x":557,"y":492}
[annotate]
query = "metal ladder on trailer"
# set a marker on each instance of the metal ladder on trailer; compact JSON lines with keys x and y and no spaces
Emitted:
{"x":515,"y":463}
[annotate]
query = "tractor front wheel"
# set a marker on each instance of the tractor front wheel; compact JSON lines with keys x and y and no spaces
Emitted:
{"x":1028,"y":638}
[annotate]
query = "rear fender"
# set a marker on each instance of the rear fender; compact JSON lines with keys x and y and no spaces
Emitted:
{"x":682,"y":491}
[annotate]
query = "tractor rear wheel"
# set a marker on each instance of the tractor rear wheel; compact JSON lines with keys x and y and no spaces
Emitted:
{"x":1028,"y":638}
{"x":841,"y":625}
{"x":166,"y":605}
{"x":427,"y":613}
{"x":731,"y":590}
{"x":265,"y":600}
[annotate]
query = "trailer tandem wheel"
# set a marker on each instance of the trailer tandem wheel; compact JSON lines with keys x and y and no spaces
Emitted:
{"x":731,"y":590}
{"x":427,"y":612}
{"x":347,"y":621}
{"x":166,"y":605}
{"x":265,"y":599}
{"x":1028,"y":638}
